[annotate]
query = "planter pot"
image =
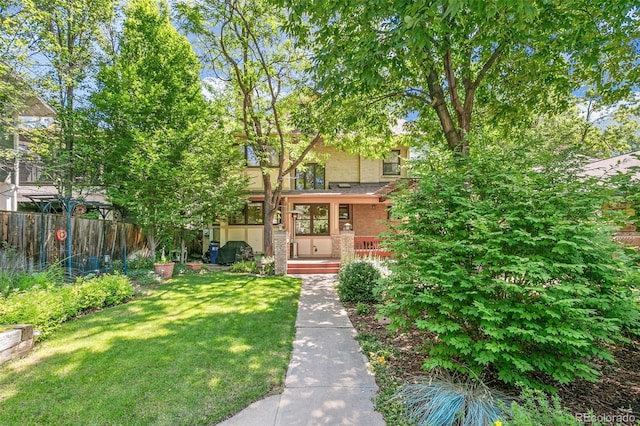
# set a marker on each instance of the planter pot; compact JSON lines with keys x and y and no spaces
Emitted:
{"x":194,"y":266}
{"x":165,"y":270}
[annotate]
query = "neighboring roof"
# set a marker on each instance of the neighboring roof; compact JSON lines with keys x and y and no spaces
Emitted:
{"x":613,"y":165}
{"x":36,"y":107}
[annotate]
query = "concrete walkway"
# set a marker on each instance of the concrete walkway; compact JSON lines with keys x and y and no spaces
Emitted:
{"x":327,"y":382}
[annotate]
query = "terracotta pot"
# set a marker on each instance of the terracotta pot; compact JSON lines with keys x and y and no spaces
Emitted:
{"x":165,"y":270}
{"x":194,"y":266}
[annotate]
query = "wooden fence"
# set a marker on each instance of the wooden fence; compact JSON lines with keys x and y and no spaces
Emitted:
{"x":33,"y":236}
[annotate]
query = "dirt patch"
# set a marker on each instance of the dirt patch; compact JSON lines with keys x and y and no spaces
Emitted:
{"x":616,"y":393}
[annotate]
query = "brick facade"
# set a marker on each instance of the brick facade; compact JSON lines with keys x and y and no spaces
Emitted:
{"x":369,"y":219}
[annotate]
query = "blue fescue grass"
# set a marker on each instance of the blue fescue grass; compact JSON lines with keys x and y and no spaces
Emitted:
{"x":451,"y":402}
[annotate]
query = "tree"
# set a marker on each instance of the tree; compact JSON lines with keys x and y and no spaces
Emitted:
{"x":166,"y":158}
{"x":12,"y":87}
{"x":445,"y":59}
{"x":65,"y":34}
{"x":275,"y":113}
{"x":509,"y":259}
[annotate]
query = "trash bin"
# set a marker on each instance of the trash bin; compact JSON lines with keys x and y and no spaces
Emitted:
{"x":213,"y":252}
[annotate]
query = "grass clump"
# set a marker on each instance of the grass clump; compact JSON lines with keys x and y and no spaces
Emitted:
{"x":447,"y":401}
{"x":245,"y":266}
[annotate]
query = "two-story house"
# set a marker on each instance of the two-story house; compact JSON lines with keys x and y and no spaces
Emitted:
{"x":21,"y":174}
{"x":318,"y":201}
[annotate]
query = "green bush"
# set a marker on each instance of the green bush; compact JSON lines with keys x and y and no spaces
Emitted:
{"x":363,"y":308}
{"x":46,"y":308}
{"x":535,"y":409}
{"x":507,"y":261}
{"x":358,"y":280}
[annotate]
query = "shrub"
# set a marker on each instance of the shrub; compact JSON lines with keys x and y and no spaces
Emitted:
{"x":47,"y":308}
{"x":508,"y":263}
{"x":268,"y":265}
{"x":357,"y":281}
{"x":535,"y":409}
{"x":363,"y":308}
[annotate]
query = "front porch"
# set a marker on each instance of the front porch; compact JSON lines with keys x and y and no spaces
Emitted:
{"x":360,"y":247}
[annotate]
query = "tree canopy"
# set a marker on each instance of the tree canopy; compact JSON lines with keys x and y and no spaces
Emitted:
{"x":441,"y":58}
{"x":165,"y":156}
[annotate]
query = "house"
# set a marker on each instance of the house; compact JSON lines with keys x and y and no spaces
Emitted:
{"x":23,"y":180}
{"x":318,"y":201}
{"x":18,"y":173}
{"x":626,"y":163}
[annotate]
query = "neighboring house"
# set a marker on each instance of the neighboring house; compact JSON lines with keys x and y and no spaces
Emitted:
{"x":321,"y":200}
{"x":22,"y":177}
{"x":19,"y":173}
{"x":610,"y":166}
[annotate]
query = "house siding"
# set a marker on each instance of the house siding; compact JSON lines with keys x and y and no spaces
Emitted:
{"x":369,"y":219}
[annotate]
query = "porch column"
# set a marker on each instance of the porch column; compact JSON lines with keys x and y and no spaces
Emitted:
{"x":347,"y":250}
{"x":280,"y":251}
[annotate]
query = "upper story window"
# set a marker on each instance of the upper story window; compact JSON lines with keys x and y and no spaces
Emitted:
{"x":251,"y":214}
{"x":312,"y":177}
{"x":391,"y":163}
{"x":253,"y":159}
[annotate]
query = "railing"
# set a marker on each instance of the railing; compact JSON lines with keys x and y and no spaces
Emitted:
{"x":369,"y":246}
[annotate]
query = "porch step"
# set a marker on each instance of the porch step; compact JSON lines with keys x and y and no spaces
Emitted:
{"x":313,"y":267}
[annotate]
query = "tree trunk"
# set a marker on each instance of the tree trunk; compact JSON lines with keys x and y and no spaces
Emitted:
{"x":270,"y":207}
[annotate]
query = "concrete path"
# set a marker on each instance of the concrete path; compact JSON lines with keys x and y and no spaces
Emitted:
{"x":327,"y":382}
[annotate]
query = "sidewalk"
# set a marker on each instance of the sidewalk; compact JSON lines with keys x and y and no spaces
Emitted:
{"x":327,"y":382}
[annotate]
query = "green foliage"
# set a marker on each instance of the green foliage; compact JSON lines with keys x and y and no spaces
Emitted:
{"x":48,"y":307}
{"x":245,"y":266}
{"x":455,"y":63}
{"x":165,"y":155}
{"x":508,"y":260}
{"x":358,"y":280}
{"x":143,"y":277}
{"x":451,"y":402}
{"x":140,"y":263}
{"x":535,"y":409}
{"x":362,"y":308}
{"x":268,"y":265}
{"x":14,"y":277}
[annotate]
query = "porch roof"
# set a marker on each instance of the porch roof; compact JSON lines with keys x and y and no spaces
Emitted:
{"x":343,"y":188}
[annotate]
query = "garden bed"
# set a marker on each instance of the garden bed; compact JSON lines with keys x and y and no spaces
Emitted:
{"x":616,"y":393}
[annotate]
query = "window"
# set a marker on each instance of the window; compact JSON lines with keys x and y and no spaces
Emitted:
{"x":251,"y":214}
{"x":312,"y":177}
{"x":391,"y":163}
{"x":251,"y":154}
{"x":344,"y":212}
{"x":313,"y":220}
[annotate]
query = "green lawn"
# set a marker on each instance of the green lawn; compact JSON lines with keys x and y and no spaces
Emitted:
{"x":195,"y":350}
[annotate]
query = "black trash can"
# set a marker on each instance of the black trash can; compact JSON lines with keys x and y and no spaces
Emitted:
{"x":213,"y":252}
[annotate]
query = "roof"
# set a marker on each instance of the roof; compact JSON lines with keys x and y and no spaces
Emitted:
{"x":611,"y":166}
{"x":343,"y":188}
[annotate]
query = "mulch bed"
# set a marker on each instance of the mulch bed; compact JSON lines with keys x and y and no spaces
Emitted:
{"x":616,"y":393}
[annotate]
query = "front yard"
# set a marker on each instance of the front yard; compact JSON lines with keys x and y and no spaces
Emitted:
{"x":192,"y":351}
